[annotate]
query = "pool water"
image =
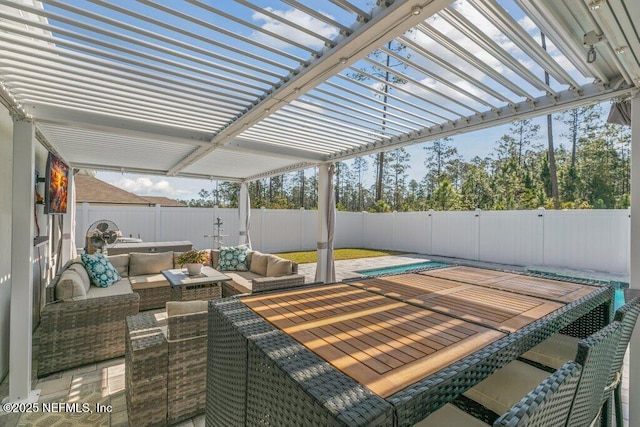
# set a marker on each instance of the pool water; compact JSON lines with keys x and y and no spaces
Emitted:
{"x":618,"y":300}
{"x":398,"y":269}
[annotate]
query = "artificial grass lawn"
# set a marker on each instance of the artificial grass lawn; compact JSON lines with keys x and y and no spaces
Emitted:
{"x":338,"y":254}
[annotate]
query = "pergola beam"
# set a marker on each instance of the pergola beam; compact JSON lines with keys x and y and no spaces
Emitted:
{"x":387,"y":23}
{"x":547,"y":104}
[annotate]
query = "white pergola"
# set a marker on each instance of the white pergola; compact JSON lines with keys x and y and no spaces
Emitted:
{"x":242,"y":90}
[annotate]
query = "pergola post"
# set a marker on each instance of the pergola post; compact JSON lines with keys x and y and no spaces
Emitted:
{"x":244,"y":214}
{"x":22,"y":233}
{"x":325,"y":269}
{"x":634,"y":264}
{"x":69,"y":250}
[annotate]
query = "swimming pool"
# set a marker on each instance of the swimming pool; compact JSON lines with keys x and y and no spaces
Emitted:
{"x":398,"y":269}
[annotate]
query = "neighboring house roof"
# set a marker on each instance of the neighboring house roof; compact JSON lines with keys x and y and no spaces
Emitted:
{"x":164,"y":201}
{"x":93,"y":190}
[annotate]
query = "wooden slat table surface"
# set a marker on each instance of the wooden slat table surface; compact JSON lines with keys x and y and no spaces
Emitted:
{"x":555,"y":290}
{"x":493,"y":308}
{"x":382,"y":343}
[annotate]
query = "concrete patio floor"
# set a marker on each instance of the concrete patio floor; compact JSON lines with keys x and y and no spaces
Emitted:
{"x":103,"y":383}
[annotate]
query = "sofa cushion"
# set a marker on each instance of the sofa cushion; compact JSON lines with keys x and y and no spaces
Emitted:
{"x":82,"y":272}
{"x":258,"y":263}
{"x":243,"y":279}
{"x":233,"y":258}
{"x":100,"y":270}
{"x":180,"y":308}
{"x":143,"y":263}
{"x":70,"y":286}
{"x":148,"y":281}
{"x":121,"y":287}
{"x":121,"y":264}
{"x":277,"y":266}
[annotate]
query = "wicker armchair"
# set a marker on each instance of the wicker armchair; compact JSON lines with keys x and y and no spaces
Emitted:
{"x":165,"y":364}
{"x":74,"y":333}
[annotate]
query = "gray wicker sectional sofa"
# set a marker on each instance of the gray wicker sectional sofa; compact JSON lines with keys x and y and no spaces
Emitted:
{"x":82,"y":323}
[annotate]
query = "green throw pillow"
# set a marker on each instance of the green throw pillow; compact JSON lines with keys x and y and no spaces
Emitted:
{"x":233,"y":259}
{"x":101,"y":272}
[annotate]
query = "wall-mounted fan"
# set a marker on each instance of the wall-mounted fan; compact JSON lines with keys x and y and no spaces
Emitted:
{"x":101,"y":235}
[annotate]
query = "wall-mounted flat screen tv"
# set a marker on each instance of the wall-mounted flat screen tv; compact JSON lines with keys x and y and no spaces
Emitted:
{"x":57,"y":186}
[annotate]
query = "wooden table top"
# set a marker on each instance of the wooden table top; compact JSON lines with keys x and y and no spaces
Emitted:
{"x":388,"y":333}
{"x":555,"y":290}
{"x":381,"y":343}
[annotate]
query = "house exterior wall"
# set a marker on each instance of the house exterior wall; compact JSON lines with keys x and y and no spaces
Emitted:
{"x":585,"y":239}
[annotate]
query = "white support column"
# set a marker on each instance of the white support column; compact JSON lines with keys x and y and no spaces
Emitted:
{"x":244,"y":213}
{"x":85,"y":223}
{"x":325,"y":271}
{"x":157,"y":223}
{"x":634,"y":273}
{"x":69,"y":223}
{"x":22,"y":232}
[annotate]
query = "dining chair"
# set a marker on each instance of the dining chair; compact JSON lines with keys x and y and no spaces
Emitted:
{"x":627,"y":315}
{"x":595,"y":354}
{"x":547,"y":404}
{"x":557,"y":349}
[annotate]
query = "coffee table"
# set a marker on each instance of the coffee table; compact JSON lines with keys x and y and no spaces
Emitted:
{"x":204,"y":286}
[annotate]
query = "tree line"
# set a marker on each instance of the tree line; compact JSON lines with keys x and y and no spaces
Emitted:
{"x":589,"y":169}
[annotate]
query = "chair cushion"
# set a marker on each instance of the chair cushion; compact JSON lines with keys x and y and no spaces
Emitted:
{"x":258,"y":263}
{"x":243,"y":279}
{"x":277,"y":266}
{"x":143,"y":263}
{"x":100,"y":270}
{"x":450,"y":415}
{"x":180,"y":308}
{"x":505,"y":387}
{"x":82,"y":272}
{"x":148,"y":281}
{"x":121,"y":263}
{"x":233,"y":258}
{"x":121,"y":287}
{"x":70,"y":286}
{"x":554,"y":351}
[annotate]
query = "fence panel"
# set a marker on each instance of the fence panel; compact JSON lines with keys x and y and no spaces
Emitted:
{"x":511,"y":237}
{"x":378,"y":230}
{"x":594,"y":239}
{"x":280,"y":230}
{"x":455,"y":234}
{"x":412,"y":232}
{"x":132,"y":222}
{"x":590,"y":239}
{"x":348,"y":230}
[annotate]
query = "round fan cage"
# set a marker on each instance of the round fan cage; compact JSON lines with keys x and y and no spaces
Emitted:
{"x":101,"y":235}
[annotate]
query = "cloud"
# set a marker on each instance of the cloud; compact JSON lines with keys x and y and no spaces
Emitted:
{"x":144,"y":186}
{"x":296,"y":16}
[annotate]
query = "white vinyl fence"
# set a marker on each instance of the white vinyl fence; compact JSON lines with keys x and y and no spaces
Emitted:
{"x":591,"y":239}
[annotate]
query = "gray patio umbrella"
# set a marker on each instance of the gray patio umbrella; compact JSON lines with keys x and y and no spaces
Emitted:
{"x":244,"y":213}
{"x":325,"y":268}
